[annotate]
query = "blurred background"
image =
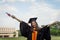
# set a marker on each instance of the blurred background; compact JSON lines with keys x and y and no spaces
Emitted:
{"x":47,"y":11}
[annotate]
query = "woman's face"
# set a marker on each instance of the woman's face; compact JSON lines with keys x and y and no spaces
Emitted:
{"x":34,"y":24}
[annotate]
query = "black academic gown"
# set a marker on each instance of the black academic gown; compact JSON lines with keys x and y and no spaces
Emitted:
{"x":46,"y":33}
{"x":43,"y":33}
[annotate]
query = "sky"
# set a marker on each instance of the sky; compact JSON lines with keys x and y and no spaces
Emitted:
{"x":47,"y":11}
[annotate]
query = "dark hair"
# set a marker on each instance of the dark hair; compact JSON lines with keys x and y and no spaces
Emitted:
{"x":36,"y":25}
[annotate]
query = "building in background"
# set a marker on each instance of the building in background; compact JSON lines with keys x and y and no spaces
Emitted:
{"x":8,"y":32}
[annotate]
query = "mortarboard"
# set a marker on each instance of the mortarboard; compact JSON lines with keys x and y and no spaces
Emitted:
{"x":32,"y":19}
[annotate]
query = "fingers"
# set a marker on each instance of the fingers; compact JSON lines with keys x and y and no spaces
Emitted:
{"x":8,"y":14}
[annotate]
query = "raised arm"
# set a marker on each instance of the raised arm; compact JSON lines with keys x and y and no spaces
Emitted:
{"x":13,"y":17}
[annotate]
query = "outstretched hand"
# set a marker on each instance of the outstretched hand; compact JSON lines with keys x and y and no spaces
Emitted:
{"x":13,"y":17}
{"x":10,"y":15}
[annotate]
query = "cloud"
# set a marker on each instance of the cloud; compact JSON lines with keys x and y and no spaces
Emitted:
{"x":2,"y":1}
{"x":57,"y":0}
{"x":4,"y":19}
{"x":10,"y":0}
{"x":8,"y":8}
{"x":45,"y":13}
{"x":27,"y":0}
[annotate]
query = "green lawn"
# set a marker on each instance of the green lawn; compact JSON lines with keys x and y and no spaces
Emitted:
{"x":55,"y":37}
{"x":22,"y":38}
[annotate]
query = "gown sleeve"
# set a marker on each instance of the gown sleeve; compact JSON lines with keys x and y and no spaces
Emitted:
{"x":46,"y":32}
{"x":24,"y":29}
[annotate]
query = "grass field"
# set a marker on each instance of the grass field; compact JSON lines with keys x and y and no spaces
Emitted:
{"x":55,"y":37}
{"x":22,"y":38}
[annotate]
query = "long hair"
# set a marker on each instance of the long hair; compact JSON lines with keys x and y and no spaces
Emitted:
{"x":37,"y":27}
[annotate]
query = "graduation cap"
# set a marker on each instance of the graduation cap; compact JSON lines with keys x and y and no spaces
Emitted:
{"x":32,"y":19}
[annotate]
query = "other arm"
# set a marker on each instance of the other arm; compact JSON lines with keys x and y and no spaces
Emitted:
{"x":13,"y":17}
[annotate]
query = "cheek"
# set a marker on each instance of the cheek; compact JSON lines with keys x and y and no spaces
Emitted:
{"x":33,"y":24}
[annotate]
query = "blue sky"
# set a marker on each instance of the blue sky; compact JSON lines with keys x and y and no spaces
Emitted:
{"x":47,"y":11}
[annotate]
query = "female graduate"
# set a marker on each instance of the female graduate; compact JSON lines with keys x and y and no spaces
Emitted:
{"x":33,"y":32}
